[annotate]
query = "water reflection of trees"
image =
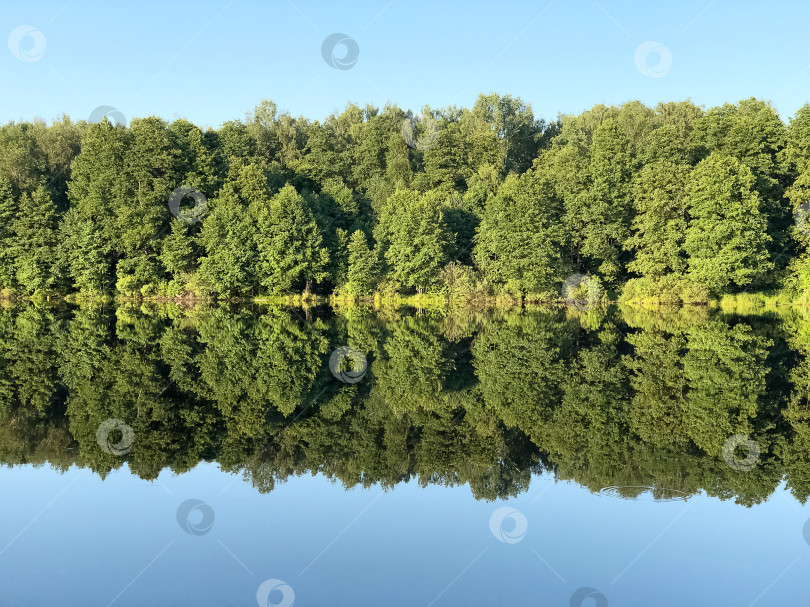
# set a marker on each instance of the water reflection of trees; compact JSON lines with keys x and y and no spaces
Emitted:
{"x":483,"y":398}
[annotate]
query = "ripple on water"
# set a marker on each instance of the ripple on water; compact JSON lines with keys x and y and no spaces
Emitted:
{"x":645,"y":493}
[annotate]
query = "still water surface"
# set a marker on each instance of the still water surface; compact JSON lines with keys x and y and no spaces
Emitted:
{"x":158,"y":455}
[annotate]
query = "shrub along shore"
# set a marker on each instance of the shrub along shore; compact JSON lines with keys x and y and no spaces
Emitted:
{"x":672,"y":204}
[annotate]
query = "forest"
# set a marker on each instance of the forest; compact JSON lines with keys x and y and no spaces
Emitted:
{"x":672,"y":204}
{"x":487,"y":398}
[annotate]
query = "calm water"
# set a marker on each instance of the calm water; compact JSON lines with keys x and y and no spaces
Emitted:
{"x":160,"y":455}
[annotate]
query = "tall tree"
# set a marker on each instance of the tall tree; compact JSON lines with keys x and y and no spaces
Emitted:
{"x":518,"y":133}
{"x":228,"y":235}
{"x":415,"y":238}
{"x":99,"y":190}
{"x":35,"y":233}
{"x":83,"y":252}
{"x":659,"y":198}
{"x":752,"y":132}
{"x":8,"y":211}
{"x":362,"y":265}
{"x":606,"y":210}
{"x":522,"y":242}
{"x":289,"y":244}
{"x":726,"y":239}
{"x":150,"y":163}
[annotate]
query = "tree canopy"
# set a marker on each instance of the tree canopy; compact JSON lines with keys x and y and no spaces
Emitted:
{"x":672,"y":201}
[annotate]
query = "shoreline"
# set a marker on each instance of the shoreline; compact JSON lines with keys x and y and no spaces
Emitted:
{"x":730,"y":302}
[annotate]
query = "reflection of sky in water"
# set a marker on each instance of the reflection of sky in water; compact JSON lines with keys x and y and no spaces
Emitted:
{"x":405,"y":546}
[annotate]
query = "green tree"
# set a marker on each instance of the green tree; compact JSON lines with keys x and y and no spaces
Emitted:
{"x":289,"y":244}
{"x":660,"y":223}
{"x":362,"y":265}
{"x":22,"y":162}
{"x":512,"y":120}
{"x":415,"y":238}
{"x":99,"y":193}
{"x":659,"y":198}
{"x":228,"y":236}
{"x":605,"y":210}
{"x":35,"y":232}
{"x":726,"y":239}
{"x":8,"y":212}
{"x":180,"y":250}
{"x":83,"y":252}
{"x":522,"y":242}
{"x":448,"y":159}
{"x":752,"y":132}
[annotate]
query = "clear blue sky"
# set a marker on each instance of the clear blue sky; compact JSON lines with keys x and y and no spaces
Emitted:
{"x":213,"y":60}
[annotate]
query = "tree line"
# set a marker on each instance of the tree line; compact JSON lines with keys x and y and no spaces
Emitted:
{"x":459,"y":396}
{"x":674,"y":203}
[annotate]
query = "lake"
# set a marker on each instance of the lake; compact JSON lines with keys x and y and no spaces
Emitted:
{"x":243,"y":455}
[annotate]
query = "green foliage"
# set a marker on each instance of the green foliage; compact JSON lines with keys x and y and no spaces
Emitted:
{"x":36,"y":242}
{"x":605,"y":208}
{"x":228,"y":233}
{"x":659,"y":199}
{"x":670,"y":289}
{"x":289,"y":244}
{"x":362,"y":273}
{"x":415,"y":238}
{"x":726,"y":239}
{"x":661,"y":219}
{"x":180,"y":251}
{"x":662,"y":202}
{"x":461,"y":281}
{"x":82,"y":250}
{"x":8,"y":212}
{"x":521,"y":241}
